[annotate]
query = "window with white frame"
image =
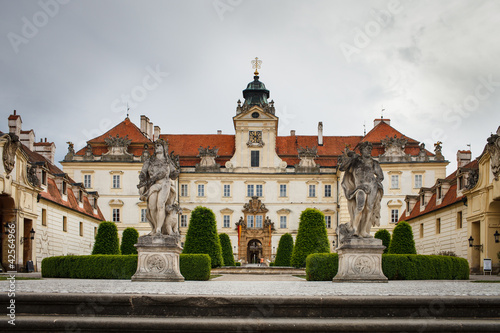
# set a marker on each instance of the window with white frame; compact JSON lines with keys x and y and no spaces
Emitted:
{"x":201,"y":190}
{"x":227,"y":190}
{"x":394,"y":215}
{"x":143,"y":215}
{"x":258,"y":190}
{"x":395,"y":181}
{"x":226,"y":221}
{"x":312,"y":191}
{"x":250,"y":221}
{"x":283,"y":222}
{"x":328,"y":190}
{"x":250,"y":190}
{"x":418,"y":181}
{"x":258,"y":221}
{"x":116,"y":214}
{"x":116,"y":181}
{"x":328,"y":221}
{"x":184,"y":190}
{"x":282,"y":190}
{"x":184,"y":221}
{"x":87,"y":181}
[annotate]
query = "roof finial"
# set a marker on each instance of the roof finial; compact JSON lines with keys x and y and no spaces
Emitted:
{"x":256,"y":64}
{"x":128,"y":109}
{"x":364,"y":128}
{"x":382,"y":113}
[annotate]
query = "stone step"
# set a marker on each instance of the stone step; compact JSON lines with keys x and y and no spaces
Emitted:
{"x":34,"y":304}
{"x":247,"y":324}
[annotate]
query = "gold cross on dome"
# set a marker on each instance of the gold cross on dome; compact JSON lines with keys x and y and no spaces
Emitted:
{"x":256,"y":64}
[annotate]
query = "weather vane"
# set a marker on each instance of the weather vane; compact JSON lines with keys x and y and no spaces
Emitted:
{"x":256,"y":64}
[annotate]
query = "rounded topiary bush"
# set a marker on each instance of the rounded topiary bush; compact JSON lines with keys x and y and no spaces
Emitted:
{"x":227,"y":250}
{"x":402,"y":240}
{"x":311,"y":237}
{"x":129,"y":238}
{"x":385,"y":236}
{"x":106,"y":241}
{"x":202,"y":236}
{"x":285,"y":249}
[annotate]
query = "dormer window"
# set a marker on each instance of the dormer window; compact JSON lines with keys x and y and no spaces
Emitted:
{"x":408,"y":208}
{"x":439,"y":192}
{"x":422,"y":199}
{"x":80,"y":195}
{"x":64,"y":188}
{"x":95,"y":203}
{"x":460,"y":182}
{"x":44,"y":177}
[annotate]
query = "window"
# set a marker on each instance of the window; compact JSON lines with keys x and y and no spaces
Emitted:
{"x":258,"y":221}
{"x":64,"y":188}
{"x":328,"y":221}
{"x":116,"y":181}
{"x":283,"y":222}
{"x":250,"y":189}
{"x":143,"y":215}
{"x":44,"y":177}
{"x":201,"y":190}
{"x":408,"y":208}
{"x":250,"y":221}
{"x":459,"y":220}
{"x":87,"y":181}
{"x":394,"y":181}
{"x":328,"y":191}
{"x":440,"y":192}
{"x":422,"y":199}
{"x":81,"y":229}
{"x":184,"y":190}
{"x":116,"y":214}
{"x":258,"y":190}
{"x":184,"y":221}
{"x":95,"y":231}
{"x":226,"y":221}
{"x":418,"y":181}
{"x":312,"y":190}
{"x":44,"y":216}
{"x":227,"y":190}
{"x":254,"y":158}
{"x":282,"y":190}
{"x":80,"y":195}
{"x":394,"y":215}
{"x":65,"y":223}
{"x":421,"y":230}
{"x":438,"y":226}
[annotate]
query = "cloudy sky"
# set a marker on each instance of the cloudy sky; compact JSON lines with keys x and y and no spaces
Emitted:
{"x":70,"y":67}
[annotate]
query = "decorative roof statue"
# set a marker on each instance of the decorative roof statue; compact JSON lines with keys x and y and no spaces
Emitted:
{"x":437,"y":151}
{"x":307,"y":163}
{"x":207,"y":156}
{"x":394,"y":149}
{"x":117,"y":148}
{"x":157,"y":188}
{"x":71,"y":151}
{"x":9,"y":151}
{"x":362,"y":184}
{"x":493,"y":148}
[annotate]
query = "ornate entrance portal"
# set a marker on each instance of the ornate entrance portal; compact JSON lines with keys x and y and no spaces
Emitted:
{"x":254,"y":233}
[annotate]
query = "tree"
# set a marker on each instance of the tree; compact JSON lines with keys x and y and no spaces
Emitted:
{"x":129,"y":238}
{"x":311,"y":238}
{"x":402,"y":240}
{"x":385,"y":236}
{"x":202,"y":236}
{"x":227,"y":250}
{"x":106,"y":241}
{"x":285,"y":249}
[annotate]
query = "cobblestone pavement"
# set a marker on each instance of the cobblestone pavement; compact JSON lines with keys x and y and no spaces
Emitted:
{"x":250,"y":285}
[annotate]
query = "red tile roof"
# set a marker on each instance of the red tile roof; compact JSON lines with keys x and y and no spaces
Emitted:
{"x":14,"y":116}
{"x":449,"y":199}
{"x":383,"y":130}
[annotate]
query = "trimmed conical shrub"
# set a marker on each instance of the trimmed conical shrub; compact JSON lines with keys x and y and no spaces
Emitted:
{"x":106,"y":241}
{"x":227,"y":250}
{"x":385,"y":236}
{"x":285,"y":250}
{"x":311,"y":238}
{"x":202,"y":236}
{"x":129,"y":238}
{"x":402,"y":240}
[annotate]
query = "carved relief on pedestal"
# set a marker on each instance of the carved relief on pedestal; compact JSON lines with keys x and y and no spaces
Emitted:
{"x":156,"y":263}
{"x":307,"y":163}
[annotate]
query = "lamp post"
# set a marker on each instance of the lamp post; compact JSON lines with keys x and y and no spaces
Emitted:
{"x":477,"y":247}
{"x":497,"y":236}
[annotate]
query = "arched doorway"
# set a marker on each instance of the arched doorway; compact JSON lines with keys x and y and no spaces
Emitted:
{"x":254,"y":251}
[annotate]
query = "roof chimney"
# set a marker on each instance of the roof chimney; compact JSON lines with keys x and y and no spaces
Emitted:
{"x":157,"y":133}
{"x":219,"y":131}
{"x":15,"y":124}
{"x":320,"y":133}
{"x":463,"y":157}
{"x":380,"y":120}
{"x":144,"y":124}
{"x":292,"y":132}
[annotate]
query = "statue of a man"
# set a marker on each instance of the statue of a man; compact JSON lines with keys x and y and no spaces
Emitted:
{"x":362,"y":184}
{"x":157,"y":187}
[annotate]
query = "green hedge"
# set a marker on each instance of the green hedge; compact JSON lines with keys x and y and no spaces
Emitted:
{"x":192,"y":266}
{"x":324,"y":266}
{"x":385,"y":236}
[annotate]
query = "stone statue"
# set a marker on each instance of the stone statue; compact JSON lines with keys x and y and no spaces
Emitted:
{"x":362,"y":184}
{"x":157,"y":188}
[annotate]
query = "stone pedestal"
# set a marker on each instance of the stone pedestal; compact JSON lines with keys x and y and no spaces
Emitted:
{"x":360,"y":260}
{"x":158,"y":259}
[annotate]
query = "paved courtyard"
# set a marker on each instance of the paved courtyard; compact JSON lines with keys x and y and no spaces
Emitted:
{"x":270,"y":285}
